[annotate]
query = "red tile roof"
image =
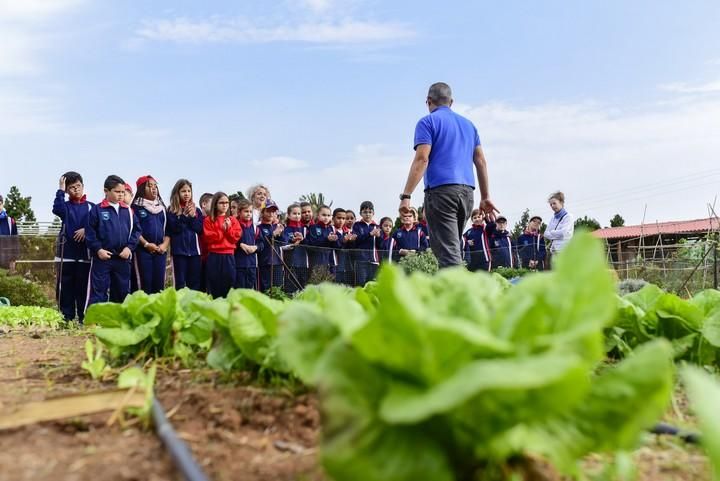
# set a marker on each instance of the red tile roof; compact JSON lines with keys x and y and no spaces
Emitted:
{"x":650,"y":229}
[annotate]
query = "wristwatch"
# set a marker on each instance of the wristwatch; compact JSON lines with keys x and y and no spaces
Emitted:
{"x":404,"y":196}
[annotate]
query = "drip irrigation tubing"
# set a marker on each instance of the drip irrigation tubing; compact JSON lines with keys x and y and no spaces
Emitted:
{"x":180,"y":453}
{"x":688,"y":437}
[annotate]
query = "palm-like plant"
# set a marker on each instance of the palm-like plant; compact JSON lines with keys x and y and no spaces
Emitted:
{"x":315,"y":200}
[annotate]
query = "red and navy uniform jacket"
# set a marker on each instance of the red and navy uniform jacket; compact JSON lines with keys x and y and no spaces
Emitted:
{"x":501,"y":247}
{"x":295,"y":255}
{"x":341,"y":258}
{"x":269,"y":245}
{"x":248,"y":237}
{"x":154,"y":226}
{"x":318,"y":237}
{"x":219,"y":240}
{"x":74,"y":215}
{"x":386,"y":247}
{"x":530,"y":247}
{"x":410,"y":239}
{"x":111,"y":230}
{"x":185,"y":233}
{"x":366,"y":245}
{"x":7,"y":224}
{"x":424,"y":227}
{"x":478,"y":254}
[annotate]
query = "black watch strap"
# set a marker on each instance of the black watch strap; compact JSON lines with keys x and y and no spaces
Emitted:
{"x":404,"y":196}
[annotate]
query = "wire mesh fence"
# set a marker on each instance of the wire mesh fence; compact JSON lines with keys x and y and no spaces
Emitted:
{"x":681,"y":268}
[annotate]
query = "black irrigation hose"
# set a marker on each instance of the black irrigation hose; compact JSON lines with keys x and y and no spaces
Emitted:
{"x":179,"y":451}
{"x":688,"y":437}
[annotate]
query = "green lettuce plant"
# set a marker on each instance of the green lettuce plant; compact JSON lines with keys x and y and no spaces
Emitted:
{"x":156,"y":325}
{"x":95,"y":363}
{"x":458,"y":377}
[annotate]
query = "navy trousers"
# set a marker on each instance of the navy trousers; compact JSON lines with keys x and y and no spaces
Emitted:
{"x":187,"y":272}
{"x":271,"y":276}
{"x":72,"y":289}
{"x":364,"y":272}
{"x":150,"y":270}
{"x":221,"y":273}
{"x":301,"y":274}
{"x":246,"y":278}
{"x":476,"y":261}
{"x":112,"y":275}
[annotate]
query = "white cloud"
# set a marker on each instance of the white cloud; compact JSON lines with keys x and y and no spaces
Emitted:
{"x":34,"y":10}
{"x":24,"y":114}
{"x":607,"y":159}
{"x":244,"y":31}
{"x":24,"y":32}
{"x":281,"y":163}
{"x":318,"y":5}
{"x":684,"y":88}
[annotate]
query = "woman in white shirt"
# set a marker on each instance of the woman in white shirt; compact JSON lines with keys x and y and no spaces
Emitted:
{"x":562,"y":225}
{"x":258,"y":195}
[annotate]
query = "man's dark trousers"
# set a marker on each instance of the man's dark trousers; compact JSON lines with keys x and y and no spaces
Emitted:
{"x":447,"y":209}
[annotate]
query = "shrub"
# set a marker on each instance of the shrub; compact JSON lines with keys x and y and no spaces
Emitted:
{"x":22,"y":292}
{"x":320,"y":274}
{"x":423,"y":262}
{"x":511,"y":272}
{"x":630,"y":285}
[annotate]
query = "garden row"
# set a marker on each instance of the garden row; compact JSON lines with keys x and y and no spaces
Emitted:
{"x":453,"y":376}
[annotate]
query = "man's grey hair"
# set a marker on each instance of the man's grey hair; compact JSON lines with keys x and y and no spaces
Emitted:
{"x":440,"y":93}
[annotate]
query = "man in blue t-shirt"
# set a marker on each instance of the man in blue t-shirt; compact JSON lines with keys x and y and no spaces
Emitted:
{"x":447,"y":146}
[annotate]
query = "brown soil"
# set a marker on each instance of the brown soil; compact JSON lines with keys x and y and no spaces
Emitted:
{"x":235,"y":432}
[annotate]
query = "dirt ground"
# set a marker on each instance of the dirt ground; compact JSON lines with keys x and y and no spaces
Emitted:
{"x":235,"y":431}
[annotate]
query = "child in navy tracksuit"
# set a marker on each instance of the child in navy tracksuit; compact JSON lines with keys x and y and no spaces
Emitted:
{"x":307,"y":216}
{"x":111,"y":234}
{"x":367,"y":232}
{"x":221,"y":232}
{"x":185,"y":227}
{"x":409,"y":239}
{"x":341,"y":257}
{"x":531,"y":246}
{"x":324,"y":239}
{"x":294,"y":254}
{"x":73,"y":261}
{"x":7,"y":223}
{"x":477,"y":244}
{"x":386,"y":243}
{"x":502,"y":249}
{"x":151,"y":254}
{"x":246,"y":250}
{"x":270,"y":237}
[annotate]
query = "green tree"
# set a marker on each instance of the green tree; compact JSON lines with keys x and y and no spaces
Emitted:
{"x":237,"y":196}
{"x":617,"y":221}
{"x":521,"y":224}
{"x":18,"y":206}
{"x":587,"y":223}
{"x":315,"y":200}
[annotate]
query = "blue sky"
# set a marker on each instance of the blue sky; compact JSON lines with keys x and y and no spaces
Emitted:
{"x":616,"y":103}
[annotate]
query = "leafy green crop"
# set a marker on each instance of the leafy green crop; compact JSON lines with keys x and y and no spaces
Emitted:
{"x":246,"y":327}
{"x":135,"y":377}
{"x":704,"y":393}
{"x":31,"y":316}
{"x":95,"y":364}
{"x":162,"y":324}
{"x":692,"y":326}
{"x":449,"y":377}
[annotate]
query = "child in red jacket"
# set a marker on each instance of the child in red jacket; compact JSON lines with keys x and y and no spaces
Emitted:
{"x":221,"y":232}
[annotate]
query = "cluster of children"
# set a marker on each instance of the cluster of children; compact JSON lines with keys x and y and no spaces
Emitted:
{"x":121,"y":244}
{"x":489,"y":245}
